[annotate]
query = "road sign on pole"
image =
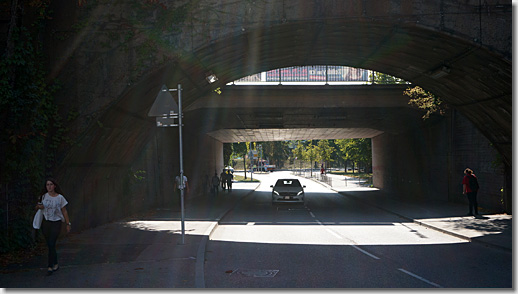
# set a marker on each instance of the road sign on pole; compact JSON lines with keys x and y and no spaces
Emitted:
{"x":165,"y":110}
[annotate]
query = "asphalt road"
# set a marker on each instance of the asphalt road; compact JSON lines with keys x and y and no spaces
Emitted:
{"x":334,"y":241}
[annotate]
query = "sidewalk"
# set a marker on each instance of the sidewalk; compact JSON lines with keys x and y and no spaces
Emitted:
{"x":493,"y":230}
{"x":145,"y":252}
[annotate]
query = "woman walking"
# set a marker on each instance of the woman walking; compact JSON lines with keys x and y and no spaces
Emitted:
{"x":55,"y":212}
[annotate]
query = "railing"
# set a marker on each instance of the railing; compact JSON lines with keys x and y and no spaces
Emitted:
{"x":334,"y":181}
{"x":309,"y":75}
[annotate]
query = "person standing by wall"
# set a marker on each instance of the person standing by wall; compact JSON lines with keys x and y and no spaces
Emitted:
{"x":179,"y":185}
{"x":215,"y":184}
{"x":470,"y":189}
{"x":53,"y":204}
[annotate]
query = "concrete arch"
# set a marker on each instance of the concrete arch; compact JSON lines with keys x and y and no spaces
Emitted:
{"x":477,"y":82}
{"x":414,"y":41}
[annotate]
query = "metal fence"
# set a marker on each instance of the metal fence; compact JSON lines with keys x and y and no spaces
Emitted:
{"x":333,"y":181}
{"x":310,"y":74}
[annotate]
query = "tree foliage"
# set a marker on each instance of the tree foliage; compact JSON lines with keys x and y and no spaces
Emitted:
{"x":228,"y":149}
{"x":356,"y":150}
{"x":33,"y":129}
{"x":276,"y":151}
{"x":241,"y":149}
{"x":381,"y":78}
{"x":325,"y":151}
{"x":425,"y":100}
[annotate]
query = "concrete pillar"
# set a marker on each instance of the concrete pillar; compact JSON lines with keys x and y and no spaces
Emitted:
{"x":378,"y":163}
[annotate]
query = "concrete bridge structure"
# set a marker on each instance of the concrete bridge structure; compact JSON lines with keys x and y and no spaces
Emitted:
{"x":113,"y":57}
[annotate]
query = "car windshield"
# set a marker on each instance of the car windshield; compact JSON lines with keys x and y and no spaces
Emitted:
{"x":288,"y":183}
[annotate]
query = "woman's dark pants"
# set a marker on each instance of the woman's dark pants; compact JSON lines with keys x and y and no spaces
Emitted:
{"x":473,"y":205}
{"x":51,"y":230}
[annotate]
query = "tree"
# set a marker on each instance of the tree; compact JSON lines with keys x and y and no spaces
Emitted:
{"x":425,"y":100}
{"x":381,"y":78}
{"x":241,"y":150}
{"x":325,"y":151}
{"x":310,"y":154}
{"x":228,"y":149}
{"x":298,"y":151}
{"x":356,"y":150}
{"x":276,"y":152}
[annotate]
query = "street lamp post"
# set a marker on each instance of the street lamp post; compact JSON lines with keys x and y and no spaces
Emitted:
{"x":165,"y":110}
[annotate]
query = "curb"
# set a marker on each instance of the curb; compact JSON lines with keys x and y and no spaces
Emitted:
{"x":199,"y":272}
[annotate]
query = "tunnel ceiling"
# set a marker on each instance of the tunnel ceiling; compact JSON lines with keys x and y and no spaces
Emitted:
{"x":264,"y":135}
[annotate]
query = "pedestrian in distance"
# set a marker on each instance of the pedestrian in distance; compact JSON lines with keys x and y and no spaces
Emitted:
{"x":215,"y":184}
{"x":179,"y":186}
{"x":229,"y":177}
{"x":206,"y":183}
{"x":470,"y":188}
{"x":53,"y":205}
{"x":223,"y":179}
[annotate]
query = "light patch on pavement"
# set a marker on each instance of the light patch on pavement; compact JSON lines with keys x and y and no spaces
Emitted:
{"x":173,"y":226}
{"x":470,"y":227}
{"x":393,"y":234}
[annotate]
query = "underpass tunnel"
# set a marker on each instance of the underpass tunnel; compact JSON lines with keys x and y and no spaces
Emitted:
{"x":412,"y":157}
{"x":452,"y":68}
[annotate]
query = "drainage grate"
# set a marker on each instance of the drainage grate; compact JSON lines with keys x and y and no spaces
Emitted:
{"x":256,"y":273}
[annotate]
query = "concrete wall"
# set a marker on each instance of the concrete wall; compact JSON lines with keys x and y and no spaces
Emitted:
{"x":428,"y":163}
{"x":471,"y":149}
{"x":203,"y":154}
{"x":413,"y":164}
{"x":99,"y":194}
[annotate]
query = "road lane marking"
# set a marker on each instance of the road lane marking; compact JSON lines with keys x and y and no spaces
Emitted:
{"x":365,"y":252}
{"x":340,"y":237}
{"x":420,"y":278}
{"x":334,"y":233}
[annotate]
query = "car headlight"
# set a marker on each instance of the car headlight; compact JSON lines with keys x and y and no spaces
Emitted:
{"x":301,"y":192}
{"x":275,"y":192}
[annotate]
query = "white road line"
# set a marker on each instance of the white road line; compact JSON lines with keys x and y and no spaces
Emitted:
{"x":312,"y":215}
{"x":420,"y":278}
{"x":334,"y":234}
{"x":365,"y":252}
{"x":340,"y":237}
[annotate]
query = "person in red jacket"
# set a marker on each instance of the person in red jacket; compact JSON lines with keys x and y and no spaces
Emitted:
{"x":470,"y":190}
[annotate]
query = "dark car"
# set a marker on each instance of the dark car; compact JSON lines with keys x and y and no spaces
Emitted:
{"x":287,"y":191}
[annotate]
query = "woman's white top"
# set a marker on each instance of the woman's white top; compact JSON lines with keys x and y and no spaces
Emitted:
{"x":52,"y":207}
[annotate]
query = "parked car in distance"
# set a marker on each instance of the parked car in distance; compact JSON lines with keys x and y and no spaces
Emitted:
{"x":287,"y":191}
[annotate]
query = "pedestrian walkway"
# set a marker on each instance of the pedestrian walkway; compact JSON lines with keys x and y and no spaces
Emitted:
{"x":141,"y":252}
{"x":488,"y":229}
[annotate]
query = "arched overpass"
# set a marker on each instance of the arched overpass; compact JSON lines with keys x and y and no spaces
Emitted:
{"x":113,"y":64}
{"x":290,"y":112}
